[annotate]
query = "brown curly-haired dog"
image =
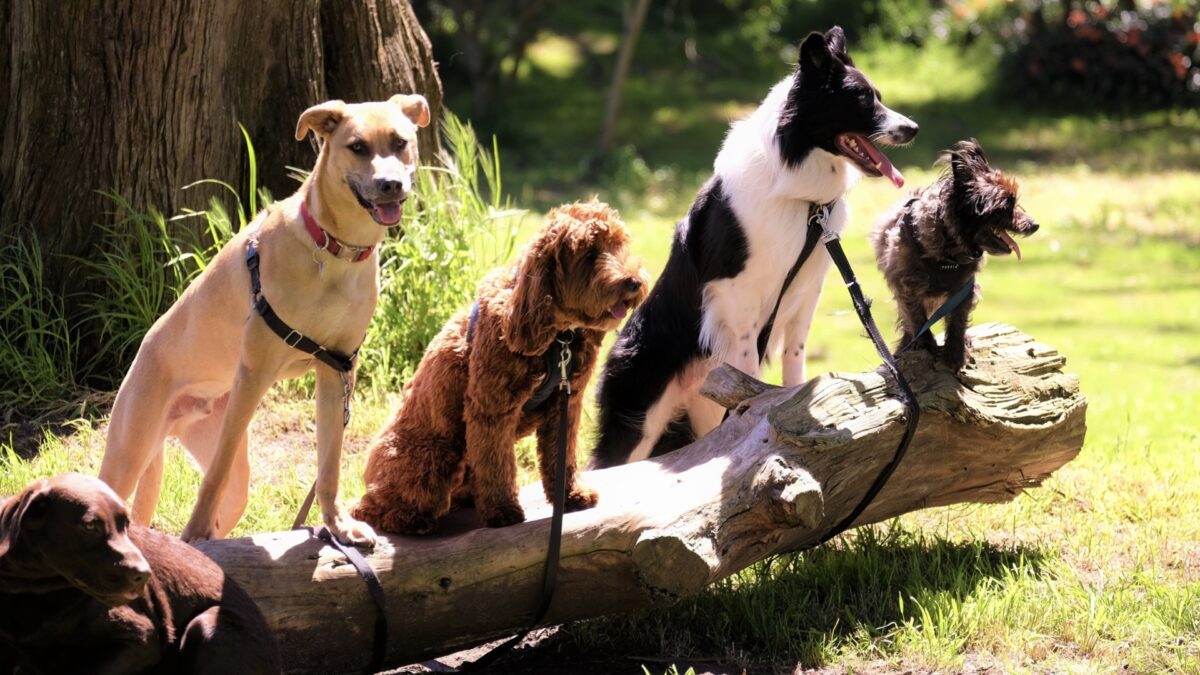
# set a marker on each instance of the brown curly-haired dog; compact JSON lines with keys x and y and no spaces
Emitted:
{"x":453,"y":435}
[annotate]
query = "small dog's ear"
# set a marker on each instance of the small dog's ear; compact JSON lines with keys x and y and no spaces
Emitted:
{"x":322,"y":119}
{"x":814,"y":53}
{"x":415,"y":107}
{"x":529,"y":325}
{"x":967,"y":161}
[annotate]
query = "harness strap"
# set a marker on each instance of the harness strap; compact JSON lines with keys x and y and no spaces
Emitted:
{"x":948,"y":306}
{"x":818,"y":215}
{"x":343,"y":363}
{"x":554,"y":376}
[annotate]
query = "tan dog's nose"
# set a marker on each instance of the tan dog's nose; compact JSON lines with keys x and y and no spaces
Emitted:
{"x":389,"y":187}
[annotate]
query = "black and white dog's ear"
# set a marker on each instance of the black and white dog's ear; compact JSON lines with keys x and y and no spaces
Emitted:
{"x":835,"y":38}
{"x":814,"y":53}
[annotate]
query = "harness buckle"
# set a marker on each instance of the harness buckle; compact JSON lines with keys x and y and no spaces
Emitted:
{"x":289,"y":341}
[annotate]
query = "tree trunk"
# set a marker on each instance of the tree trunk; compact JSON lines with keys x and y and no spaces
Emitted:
{"x":634,"y":19}
{"x":142,"y":98}
{"x":785,"y":467}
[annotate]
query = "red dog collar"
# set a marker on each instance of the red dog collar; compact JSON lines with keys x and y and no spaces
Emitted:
{"x":329,"y":243}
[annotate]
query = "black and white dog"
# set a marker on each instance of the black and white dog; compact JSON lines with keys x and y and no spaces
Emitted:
{"x":807,"y":142}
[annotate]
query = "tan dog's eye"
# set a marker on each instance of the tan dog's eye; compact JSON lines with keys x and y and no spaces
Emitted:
{"x":398,"y":145}
{"x":358,"y":148}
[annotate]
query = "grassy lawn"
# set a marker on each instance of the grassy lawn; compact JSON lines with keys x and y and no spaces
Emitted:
{"x":1097,"y":571}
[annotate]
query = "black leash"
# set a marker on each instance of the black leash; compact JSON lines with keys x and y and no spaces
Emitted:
{"x":862,"y":306}
{"x":560,"y":362}
{"x":364,"y":569}
{"x":818,"y":218}
{"x":344,"y":365}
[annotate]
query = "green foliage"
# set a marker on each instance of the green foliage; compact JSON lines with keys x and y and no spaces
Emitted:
{"x":457,"y":225}
{"x":144,"y":266}
{"x":38,"y":345}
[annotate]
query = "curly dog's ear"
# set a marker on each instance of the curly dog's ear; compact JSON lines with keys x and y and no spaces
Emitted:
{"x":529,"y":324}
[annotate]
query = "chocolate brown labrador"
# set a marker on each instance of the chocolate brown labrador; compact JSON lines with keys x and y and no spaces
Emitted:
{"x":82,"y":589}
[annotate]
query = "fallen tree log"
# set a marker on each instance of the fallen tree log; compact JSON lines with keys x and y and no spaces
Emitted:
{"x":785,"y":467}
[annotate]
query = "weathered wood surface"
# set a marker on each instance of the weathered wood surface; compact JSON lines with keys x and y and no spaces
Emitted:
{"x":783,"y":469}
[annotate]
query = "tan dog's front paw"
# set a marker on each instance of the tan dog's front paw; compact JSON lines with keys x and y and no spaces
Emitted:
{"x":351,"y":532}
{"x":198,"y":530}
{"x":503,"y":515}
{"x":581,"y":498}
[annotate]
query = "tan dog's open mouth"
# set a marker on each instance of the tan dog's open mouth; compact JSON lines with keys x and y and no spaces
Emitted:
{"x":386,"y":213}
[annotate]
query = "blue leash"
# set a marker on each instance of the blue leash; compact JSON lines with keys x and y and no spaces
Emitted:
{"x":949,"y":306}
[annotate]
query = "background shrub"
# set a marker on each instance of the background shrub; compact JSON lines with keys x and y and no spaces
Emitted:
{"x":1115,"y":59}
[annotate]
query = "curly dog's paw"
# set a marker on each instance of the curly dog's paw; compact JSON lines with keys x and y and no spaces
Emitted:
{"x":396,"y":519}
{"x":581,"y":498}
{"x":503,"y":515}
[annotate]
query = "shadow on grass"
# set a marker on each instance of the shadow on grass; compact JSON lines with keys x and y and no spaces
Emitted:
{"x":804,"y":607}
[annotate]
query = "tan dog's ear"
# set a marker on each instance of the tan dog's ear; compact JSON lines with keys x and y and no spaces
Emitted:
{"x":415,"y":107}
{"x":529,"y":324}
{"x":322,"y":119}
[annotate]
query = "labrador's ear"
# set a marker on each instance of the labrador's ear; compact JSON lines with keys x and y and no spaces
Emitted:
{"x":27,"y":514}
{"x":415,"y":107}
{"x":322,"y":119}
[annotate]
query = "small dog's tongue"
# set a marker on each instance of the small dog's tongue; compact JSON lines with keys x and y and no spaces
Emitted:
{"x":619,"y":310}
{"x":388,"y":213}
{"x":1012,"y":243}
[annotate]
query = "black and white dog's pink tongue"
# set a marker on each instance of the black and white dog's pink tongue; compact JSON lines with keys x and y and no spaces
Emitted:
{"x":882,"y":163}
{"x":388,"y":213}
{"x":1012,"y":243}
{"x":619,"y":310}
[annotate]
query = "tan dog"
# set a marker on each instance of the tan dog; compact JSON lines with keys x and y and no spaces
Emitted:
{"x":205,"y":364}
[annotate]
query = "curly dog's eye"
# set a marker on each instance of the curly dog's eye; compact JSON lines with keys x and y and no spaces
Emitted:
{"x":593,"y":256}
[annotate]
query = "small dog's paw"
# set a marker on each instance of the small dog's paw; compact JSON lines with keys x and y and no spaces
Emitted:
{"x":504,"y":515}
{"x":351,"y":532}
{"x":581,"y":498}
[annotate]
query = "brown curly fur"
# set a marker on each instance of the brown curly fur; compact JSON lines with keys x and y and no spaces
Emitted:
{"x":453,"y":436}
{"x":953,"y":223}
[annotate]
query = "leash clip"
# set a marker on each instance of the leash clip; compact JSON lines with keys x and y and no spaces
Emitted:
{"x":818,"y":214}
{"x":564,"y":365}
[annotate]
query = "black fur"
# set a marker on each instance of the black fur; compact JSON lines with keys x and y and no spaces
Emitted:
{"x":663,"y":335}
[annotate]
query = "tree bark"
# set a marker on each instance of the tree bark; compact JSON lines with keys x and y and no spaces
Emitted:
{"x":785,"y":467}
{"x":634,"y":20}
{"x":141,"y":98}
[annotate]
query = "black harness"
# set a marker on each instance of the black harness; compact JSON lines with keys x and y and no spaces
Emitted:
{"x":344,"y":365}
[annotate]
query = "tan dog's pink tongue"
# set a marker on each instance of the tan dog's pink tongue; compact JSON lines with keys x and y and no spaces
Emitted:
{"x":1012,"y":243}
{"x":389,"y":213}
{"x":619,"y":310}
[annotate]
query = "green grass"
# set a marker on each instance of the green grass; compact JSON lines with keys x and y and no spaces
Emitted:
{"x":1097,"y":571}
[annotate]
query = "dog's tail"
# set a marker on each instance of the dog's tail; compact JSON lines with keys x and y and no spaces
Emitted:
{"x":148,"y":488}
